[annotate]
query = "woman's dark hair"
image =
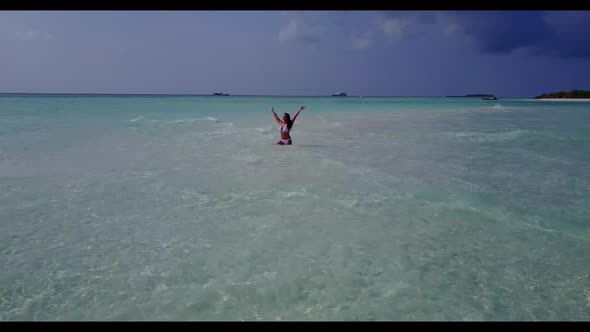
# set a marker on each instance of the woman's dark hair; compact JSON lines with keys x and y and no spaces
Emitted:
{"x":288,"y":121}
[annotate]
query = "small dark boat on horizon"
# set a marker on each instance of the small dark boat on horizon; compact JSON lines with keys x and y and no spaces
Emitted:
{"x":341,"y":94}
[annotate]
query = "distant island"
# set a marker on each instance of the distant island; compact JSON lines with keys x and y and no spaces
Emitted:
{"x":341,"y":94}
{"x":574,"y":94}
{"x":220,"y":94}
{"x":482,"y":96}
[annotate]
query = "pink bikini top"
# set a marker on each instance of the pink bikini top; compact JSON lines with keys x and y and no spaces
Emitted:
{"x":283,"y":127}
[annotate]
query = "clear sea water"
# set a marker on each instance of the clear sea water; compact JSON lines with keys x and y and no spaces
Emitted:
{"x":181,"y":208}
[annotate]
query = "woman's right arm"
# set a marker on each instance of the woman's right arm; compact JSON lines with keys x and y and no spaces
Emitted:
{"x":272,"y":109}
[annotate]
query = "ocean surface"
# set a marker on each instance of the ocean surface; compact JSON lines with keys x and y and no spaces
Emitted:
{"x":182,"y":208}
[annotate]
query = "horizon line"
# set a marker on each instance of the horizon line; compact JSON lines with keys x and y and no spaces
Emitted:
{"x":240,"y":95}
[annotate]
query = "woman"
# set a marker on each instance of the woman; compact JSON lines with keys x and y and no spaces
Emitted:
{"x":285,"y":126}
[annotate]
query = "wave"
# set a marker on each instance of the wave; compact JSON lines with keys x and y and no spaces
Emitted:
{"x":496,"y":107}
{"x":188,"y":120}
{"x":262,"y":131}
{"x":490,"y":137}
{"x":177,"y":121}
{"x":520,"y":134}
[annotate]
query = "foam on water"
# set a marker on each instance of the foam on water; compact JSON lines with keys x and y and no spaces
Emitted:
{"x":209,"y":118}
{"x":487,"y":137}
{"x":385,"y":209}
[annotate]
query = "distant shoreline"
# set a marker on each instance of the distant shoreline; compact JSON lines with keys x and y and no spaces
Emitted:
{"x":567,"y":95}
{"x":563,"y":99}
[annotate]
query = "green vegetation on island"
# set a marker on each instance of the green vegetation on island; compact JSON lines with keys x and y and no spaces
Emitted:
{"x":563,"y":94}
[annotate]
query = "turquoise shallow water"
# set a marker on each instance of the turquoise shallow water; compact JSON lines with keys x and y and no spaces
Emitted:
{"x":181,"y":208}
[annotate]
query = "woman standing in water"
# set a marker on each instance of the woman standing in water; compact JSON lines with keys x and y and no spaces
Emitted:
{"x":285,"y":126}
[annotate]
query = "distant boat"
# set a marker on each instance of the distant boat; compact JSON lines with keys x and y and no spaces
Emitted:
{"x":341,"y":94}
{"x":220,"y":94}
{"x":482,"y":96}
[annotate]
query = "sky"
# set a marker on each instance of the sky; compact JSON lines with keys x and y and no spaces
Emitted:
{"x":368,"y":53}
